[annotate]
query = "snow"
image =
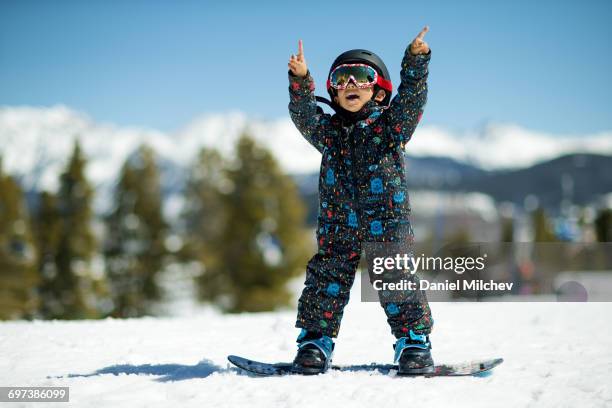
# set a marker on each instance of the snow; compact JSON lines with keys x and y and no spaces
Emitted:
{"x":556,"y":355}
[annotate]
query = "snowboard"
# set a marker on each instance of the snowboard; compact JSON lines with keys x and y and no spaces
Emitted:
{"x":472,"y":368}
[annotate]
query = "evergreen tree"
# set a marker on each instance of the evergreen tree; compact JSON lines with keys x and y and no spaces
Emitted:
{"x":260,"y":242}
{"x":18,"y":275}
{"x":506,"y":239}
{"x":204,"y":212}
{"x":204,"y":218}
{"x":603,"y":230}
{"x":136,"y":233}
{"x":547,"y":254}
{"x":75,"y":289}
{"x":542,"y":228}
{"x":507,"y":229}
{"x":47,"y":227}
{"x":603,"y":225}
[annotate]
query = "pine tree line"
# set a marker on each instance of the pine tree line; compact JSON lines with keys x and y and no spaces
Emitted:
{"x":243,"y":224}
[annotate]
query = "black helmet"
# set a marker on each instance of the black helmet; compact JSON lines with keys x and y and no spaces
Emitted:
{"x":369,"y":58}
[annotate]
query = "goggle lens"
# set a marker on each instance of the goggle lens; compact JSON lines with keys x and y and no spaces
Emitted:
{"x":362,"y":75}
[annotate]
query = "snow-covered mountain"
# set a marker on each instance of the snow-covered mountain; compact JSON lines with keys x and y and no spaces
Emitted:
{"x":35,"y":143}
{"x":505,"y":146}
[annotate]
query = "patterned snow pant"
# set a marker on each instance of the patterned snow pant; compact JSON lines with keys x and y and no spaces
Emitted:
{"x":329,"y":277}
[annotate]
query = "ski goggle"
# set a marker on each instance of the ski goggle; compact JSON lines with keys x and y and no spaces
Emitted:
{"x":363,"y":76}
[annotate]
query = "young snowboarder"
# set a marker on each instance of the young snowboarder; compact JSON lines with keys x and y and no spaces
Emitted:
{"x":362,"y":194}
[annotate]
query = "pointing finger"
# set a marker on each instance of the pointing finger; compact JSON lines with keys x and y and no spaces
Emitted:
{"x":422,"y":33}
{"x":300,"y":48}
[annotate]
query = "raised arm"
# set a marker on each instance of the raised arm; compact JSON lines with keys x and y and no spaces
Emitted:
{"x":406,"y":109}
{"x":305,"y":114}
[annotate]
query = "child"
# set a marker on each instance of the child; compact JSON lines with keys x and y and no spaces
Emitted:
{"x":362,"y":194}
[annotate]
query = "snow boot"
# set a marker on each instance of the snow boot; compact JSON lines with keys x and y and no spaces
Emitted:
{"x":413,"y":354}
{"x":314,"y":353}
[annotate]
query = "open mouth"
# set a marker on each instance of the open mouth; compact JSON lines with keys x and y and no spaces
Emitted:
{"x":352,"y":97}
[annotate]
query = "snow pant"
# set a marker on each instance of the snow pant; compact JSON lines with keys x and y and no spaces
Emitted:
{"x":329,"y":277}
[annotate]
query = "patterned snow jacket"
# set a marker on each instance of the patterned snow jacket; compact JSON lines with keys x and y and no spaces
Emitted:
{"x":362,"y":183}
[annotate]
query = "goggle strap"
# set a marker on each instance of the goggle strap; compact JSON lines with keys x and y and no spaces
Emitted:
{"x":384,"y":83}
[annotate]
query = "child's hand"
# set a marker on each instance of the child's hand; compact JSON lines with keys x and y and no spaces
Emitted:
{"x":297,"y":63}
{"x":418,"y":45}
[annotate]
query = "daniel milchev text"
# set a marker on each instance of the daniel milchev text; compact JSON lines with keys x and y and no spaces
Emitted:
{"x":413,"y":264}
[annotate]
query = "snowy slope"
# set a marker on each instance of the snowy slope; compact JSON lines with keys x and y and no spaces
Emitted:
{"x":556,"y":355}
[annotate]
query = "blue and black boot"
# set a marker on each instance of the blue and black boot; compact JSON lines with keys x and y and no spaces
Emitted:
{"x":314,"y":353}
{"x":413,"y":354}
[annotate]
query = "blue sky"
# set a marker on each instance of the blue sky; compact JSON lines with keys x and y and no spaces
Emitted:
{"x":545,"y":65}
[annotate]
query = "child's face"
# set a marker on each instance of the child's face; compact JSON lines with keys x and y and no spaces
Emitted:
{"x":352,"y":98}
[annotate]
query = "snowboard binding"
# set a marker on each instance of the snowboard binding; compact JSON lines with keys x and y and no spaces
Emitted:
{"x":413,"y":355}
{"x":314,"y":353}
